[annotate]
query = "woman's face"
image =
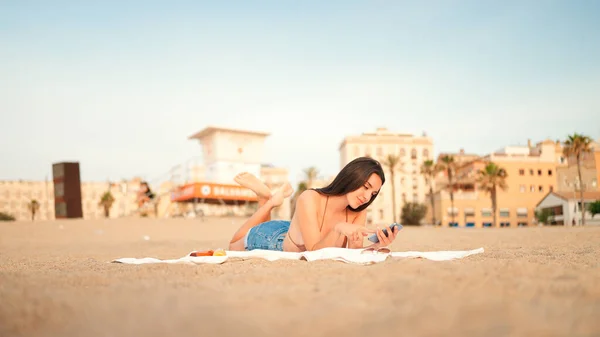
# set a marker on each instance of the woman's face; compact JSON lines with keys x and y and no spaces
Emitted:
{"x":364,"y":193}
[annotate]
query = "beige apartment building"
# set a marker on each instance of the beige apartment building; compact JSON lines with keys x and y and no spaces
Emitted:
{"x":15,"y":196}
{"x":532,"y":173}
{"x":195,"y":187}
{"x":410,"y":184}
{"x":568,"y":176}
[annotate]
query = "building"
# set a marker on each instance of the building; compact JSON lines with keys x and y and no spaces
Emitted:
{"x":203,"y":186}
{"x":209,"y":186}
{"x":568,"y":176}
{"x":565,"y":208}
{"x":531,"y":175}
{"x":441,"y":179}
{"x":460,"y":157}
{"x":227,"y":152}
{"x":15,"y":196}
{"x":409,"y":183}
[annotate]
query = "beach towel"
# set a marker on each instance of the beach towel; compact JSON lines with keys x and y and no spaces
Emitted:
{"x":353,"y":256}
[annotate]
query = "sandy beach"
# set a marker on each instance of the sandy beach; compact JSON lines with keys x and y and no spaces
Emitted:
{"x":56,"y":279}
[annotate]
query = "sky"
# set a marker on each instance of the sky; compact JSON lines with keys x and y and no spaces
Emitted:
{"x":119,"y":86}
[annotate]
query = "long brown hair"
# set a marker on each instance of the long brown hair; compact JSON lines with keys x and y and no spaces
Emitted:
{"x":352,"y":177}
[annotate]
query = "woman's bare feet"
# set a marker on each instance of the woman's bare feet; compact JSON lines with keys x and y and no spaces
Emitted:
{"x":251,"y":182}
{"x":283,"y":192}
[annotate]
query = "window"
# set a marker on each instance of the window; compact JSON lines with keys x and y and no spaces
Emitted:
{"x":522,"y":224}
{"x":549,"y":172}
{"x":487,"y":224}
{"x":402,"y":152}
{"x":541,"y":188}
{"x":469,"y":211}
{"x":425,"y":153}
{"x":556,"y":210}
{"x":452,"y":211}
{"x":381,"y":214}
{"x":532,"y":188}
{"x":379,"y":151}
{"x":402,"y":181}
{"x":521,"y":172}
{"x":522,"y":188}
{"x":522,"y":212}
{"x":504,"y":212}
{"x":551,"y":189}
{"x":486,"y":212}
{"x":531,"y":172}
{"x":505,"y":224}
{"x":413,"y":154}
{"x":539,"y":172}
{"x":415,"y":197}
{"x":403,"y":197}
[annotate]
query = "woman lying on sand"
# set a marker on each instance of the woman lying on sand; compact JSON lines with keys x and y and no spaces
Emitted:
{"x":333,"y":216}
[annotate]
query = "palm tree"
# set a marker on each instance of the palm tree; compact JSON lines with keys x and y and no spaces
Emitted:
{"x":448,"y":165}
{"x":106,"y":202}
{"x":577,"y":145}
{"x":492,"y":178}
{"x":311,"y":174}
{"x":392,"y":162}
{"x":429,"y":170}
{"x":33,"y":206}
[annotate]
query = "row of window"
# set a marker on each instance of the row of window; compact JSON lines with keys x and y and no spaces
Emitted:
{"x":532,"y":172}
{"x":379,"y":152}
{"x":15,"y":204}
{"x":487,"y":224}
{"x":487,"y":212}
{"x":39,"y":194}
{"x":26,"y":194}
{"x":532,"y":188}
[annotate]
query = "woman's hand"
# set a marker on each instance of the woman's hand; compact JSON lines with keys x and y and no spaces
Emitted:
{"x":385,"y":241}
{"x":353,"y":232}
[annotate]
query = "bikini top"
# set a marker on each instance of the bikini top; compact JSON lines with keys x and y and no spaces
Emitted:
{"x":321,"y":228}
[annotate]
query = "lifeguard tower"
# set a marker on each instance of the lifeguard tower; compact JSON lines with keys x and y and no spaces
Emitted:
{"x":226,"y":153}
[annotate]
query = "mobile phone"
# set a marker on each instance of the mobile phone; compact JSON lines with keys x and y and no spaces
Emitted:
{"x":373,"y":238}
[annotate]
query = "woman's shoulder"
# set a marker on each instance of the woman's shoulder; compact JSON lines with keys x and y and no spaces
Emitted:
{"x":310,"y":196}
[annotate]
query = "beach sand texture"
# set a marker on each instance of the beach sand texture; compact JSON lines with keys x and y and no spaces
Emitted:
{"x":56,"y":279}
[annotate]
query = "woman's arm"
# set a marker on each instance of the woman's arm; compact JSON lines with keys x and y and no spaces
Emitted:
{"x":360,"y":219}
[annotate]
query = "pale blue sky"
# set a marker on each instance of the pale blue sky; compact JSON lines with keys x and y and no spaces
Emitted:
{"x":136,"y":78}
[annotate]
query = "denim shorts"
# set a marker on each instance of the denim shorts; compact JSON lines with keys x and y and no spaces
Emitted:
{"x":268,"y":235}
